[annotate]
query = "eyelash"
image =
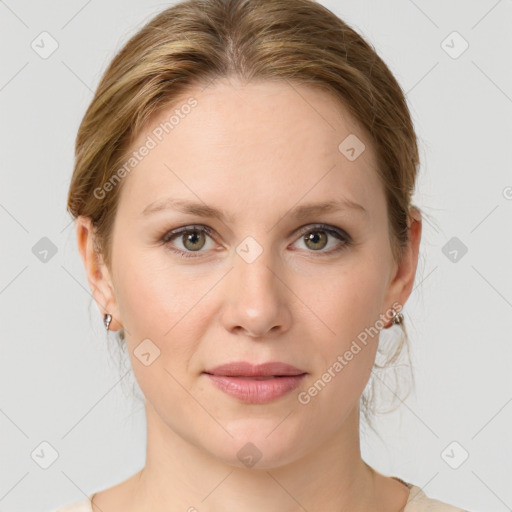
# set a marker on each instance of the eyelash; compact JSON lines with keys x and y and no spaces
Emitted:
{"x":337,"y":233}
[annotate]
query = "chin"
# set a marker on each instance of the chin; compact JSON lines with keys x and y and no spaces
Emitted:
{"x":260,"y":445}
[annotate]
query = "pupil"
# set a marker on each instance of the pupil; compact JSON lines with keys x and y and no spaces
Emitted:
{"x":192,"y":238}
{"x":314,"y":238}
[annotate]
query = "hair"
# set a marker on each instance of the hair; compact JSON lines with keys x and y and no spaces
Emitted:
{"x":196,"y":41}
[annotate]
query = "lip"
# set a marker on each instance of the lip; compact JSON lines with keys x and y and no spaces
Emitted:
{"x":246,"y":369}
{"x":256,"y":384}
{"x":254,"y":391}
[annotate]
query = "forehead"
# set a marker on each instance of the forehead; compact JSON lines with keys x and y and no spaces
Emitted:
{"x":252,"y":144}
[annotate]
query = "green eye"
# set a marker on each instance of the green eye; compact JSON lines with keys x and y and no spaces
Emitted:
{"x":315,"y":237}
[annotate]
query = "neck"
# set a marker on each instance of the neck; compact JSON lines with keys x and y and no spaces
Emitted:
{"x":182,"y":475}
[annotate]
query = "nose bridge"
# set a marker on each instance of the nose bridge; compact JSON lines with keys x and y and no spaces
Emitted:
{"x":254,"y":267}
{"x":256,"y":295}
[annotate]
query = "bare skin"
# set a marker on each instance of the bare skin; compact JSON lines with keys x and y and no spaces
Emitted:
{"x":257,"y":151}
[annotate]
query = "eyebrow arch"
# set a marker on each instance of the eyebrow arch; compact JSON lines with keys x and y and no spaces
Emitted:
{"x":200,"y":209}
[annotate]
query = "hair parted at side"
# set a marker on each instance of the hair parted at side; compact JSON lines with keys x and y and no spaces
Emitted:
{"x":196,"y":41}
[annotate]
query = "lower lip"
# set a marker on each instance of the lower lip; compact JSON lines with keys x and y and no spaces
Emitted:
{"x":254,"y":391}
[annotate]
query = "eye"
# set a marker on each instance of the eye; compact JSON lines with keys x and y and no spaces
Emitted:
{"x":191,"y":237}
{"x":315,"y":238}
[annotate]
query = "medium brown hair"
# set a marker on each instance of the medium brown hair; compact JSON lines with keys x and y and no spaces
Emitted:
{"x":196,"y":41}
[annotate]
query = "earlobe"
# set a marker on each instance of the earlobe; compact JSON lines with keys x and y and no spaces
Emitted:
{"x":96,"y":271}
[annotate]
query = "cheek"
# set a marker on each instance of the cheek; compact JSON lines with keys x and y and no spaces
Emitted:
{"x":353,"y":300}
{"x":153,"y":305}
{"x":351,"y":307}
{"x":161,"y":304}
{"x":150,"y":298}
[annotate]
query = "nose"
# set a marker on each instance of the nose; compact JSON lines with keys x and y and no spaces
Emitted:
{"x":257,"y":300}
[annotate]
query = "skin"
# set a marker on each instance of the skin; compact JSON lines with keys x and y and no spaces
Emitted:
{"x":256,"y":150}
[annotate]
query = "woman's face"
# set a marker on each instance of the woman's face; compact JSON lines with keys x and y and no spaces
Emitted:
{"x":265,"y":283}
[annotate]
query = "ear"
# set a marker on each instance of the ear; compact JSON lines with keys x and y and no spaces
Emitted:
{"x":402,"y":281}
{"x":98,"y":275}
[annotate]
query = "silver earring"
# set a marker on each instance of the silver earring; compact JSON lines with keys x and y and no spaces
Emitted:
{"x":106,"y":320}
{"x":398,"y":318}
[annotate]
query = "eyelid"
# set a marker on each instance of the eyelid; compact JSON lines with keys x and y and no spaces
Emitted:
{"x":169,"y":235}
{"x":211,"y":232}
{"x":344,"y":238}
{"x":322,"y":227}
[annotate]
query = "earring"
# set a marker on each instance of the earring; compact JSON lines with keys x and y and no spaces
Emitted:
{"x":398,"y":318}
{"x":106,"y":320}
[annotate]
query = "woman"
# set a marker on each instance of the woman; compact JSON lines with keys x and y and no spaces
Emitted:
{"x":242,"y":194}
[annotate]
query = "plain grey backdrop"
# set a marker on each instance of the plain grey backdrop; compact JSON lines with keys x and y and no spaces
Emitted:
{"x":68,"y":423}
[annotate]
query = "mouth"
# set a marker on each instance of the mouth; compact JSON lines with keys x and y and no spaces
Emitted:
{"x":257,"y":377}
{"x":272,"y":369}
{"x":256,"y":384}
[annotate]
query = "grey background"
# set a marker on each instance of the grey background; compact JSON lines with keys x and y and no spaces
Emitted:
{"x":59,"y":382}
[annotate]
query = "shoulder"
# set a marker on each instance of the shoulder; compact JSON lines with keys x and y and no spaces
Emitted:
{"x":419,"y":502}
{"x":77,"y":506}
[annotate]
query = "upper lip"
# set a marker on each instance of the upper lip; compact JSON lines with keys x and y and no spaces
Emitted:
{"x":246,"y":369}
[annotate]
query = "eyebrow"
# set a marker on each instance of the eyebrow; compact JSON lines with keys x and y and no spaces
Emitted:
{"x":200,"y":209}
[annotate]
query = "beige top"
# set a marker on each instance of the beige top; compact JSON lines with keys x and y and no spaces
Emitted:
{"x":418,"y":501}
